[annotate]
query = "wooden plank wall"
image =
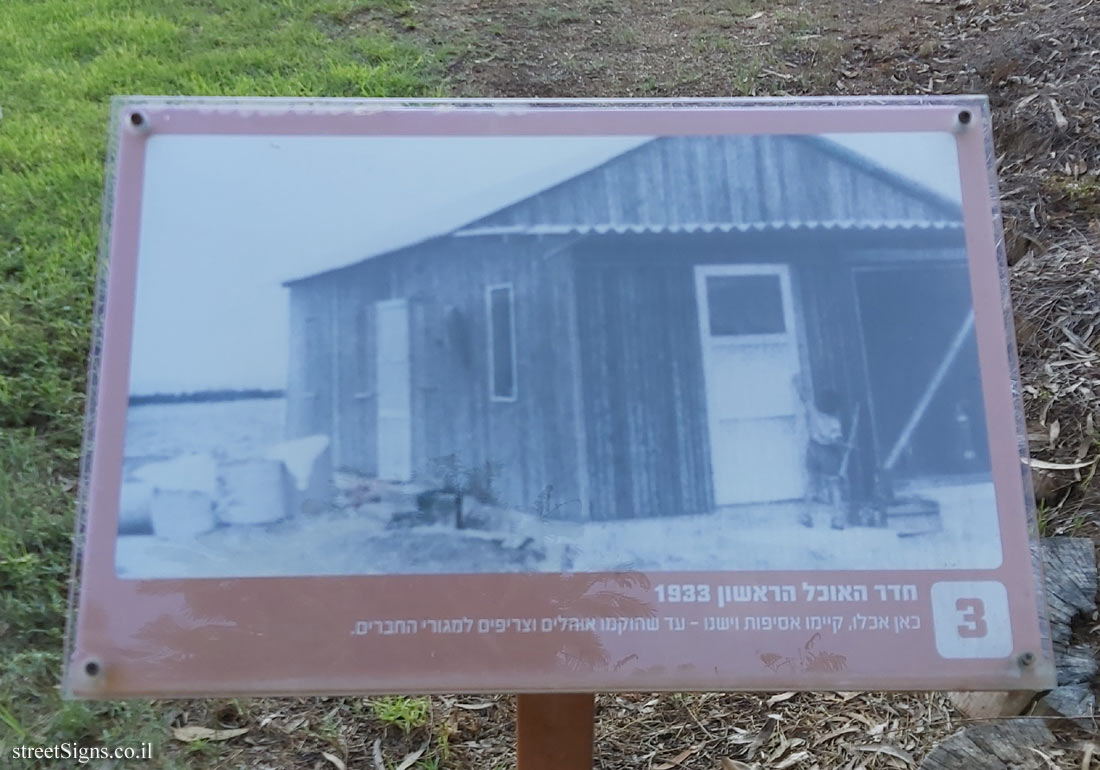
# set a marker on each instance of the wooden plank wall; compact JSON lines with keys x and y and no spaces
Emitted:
{"x":622,"y":309}
{"x":356,"y":354}
{"x":644,"y":400}
{"x":533,"y":440}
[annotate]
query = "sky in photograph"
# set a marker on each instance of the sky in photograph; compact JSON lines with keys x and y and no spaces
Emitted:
{"x":227,"y":219}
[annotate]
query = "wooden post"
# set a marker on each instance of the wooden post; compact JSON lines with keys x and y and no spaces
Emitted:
{"x":555,"y":732}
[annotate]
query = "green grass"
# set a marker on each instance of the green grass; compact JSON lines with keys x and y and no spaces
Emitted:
{"x":60,"y":62}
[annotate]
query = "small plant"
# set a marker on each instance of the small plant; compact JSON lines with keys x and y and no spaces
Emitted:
{"x":448,"y":473}
{"x":201,"y":747}
{"x":1042,"y":518}
{"x":401,"y":712}
{"x":13,"y":724}
{"x":330,"y":727}
{"x":547,"y":505}
{"x":1079,"y":520}
{"x":443,"y":744}
{"x":443,"y":732}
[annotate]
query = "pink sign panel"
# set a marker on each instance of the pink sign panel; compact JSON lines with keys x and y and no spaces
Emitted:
{"x":449,"y":396}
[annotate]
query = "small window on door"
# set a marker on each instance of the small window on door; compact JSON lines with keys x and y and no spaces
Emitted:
{"x":502,"y":342}
{"x":745,"y":304}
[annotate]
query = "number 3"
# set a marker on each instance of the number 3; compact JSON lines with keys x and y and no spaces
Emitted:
{"x":974,"y":626}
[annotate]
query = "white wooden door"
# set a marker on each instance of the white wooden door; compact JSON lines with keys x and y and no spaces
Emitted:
{"x":394,"y":390}
{"x":750,"y":362}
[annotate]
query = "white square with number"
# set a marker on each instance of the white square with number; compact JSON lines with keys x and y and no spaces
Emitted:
{"x":971,"y":619}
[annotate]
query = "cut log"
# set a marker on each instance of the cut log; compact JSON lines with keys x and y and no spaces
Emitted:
{"x":991,"y":705}
{"x":1069,"y":567}
{"x":1069,"y":570}
{"x":1076,"y":665}
{"x":998,"y":746}
{"x":1069,"y":574}
{"x":1073,"y":701}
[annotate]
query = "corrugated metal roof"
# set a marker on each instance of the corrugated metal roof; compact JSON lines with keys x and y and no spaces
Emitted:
{"x":708,"y":227}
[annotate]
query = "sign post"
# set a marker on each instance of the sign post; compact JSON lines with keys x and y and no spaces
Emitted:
{"x":555,"y":732}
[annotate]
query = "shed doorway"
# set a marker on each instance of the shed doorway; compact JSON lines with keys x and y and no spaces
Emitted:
{"x":751,"y":362}
{"x":394,"y":390}
{"x":915,"y":322}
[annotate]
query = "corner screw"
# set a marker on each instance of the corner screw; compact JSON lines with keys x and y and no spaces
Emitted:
{"x":1026,"y":659}
{"x":139,"y":122}
{"x":962,"y":121}
{"x":93,"y":668}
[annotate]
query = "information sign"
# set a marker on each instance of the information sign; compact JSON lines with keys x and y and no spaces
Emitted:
{"x":554,"y":397}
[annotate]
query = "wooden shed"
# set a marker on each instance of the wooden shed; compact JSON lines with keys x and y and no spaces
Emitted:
{"x":628,"y":342}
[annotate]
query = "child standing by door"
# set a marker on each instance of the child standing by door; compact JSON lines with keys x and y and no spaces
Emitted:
{"x":825,"y":451}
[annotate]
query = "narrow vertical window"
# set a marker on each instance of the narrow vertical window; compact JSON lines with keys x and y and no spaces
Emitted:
{"x":502,"y":343}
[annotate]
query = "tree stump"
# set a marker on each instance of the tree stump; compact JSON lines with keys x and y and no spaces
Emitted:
{"x":1069,"y":574}
{"x":998,"y":746}
{"x":1069,"y":571}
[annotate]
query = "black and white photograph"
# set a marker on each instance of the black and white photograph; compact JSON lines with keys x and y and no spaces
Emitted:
{"x":378,"y":355}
